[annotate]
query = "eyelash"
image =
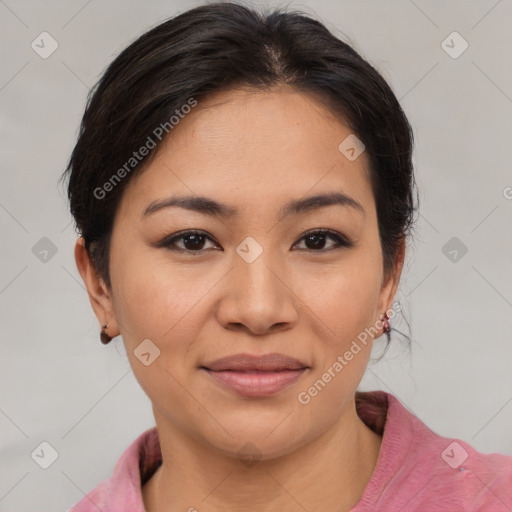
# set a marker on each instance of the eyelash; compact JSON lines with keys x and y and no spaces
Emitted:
{"x":341,"y":240}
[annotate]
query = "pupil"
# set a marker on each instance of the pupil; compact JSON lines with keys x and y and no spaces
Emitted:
{"x":317,"y":236}
{"x":197,"y":241}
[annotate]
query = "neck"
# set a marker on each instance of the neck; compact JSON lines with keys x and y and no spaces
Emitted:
{"x":329,"y":473}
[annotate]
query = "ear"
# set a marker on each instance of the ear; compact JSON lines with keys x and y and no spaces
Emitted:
{"x":391,"y":281}
{"x":99,"y":294}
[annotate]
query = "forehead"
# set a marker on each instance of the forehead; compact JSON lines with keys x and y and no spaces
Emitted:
{"x":251,"y":148}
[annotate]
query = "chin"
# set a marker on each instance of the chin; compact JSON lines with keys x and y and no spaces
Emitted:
{"x":266,"y":438}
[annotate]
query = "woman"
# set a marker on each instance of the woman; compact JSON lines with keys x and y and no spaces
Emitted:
{"x":243,"y":189}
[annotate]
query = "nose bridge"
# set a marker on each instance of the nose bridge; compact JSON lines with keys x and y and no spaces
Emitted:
{"x":253,"y":273}
{"x":256,"y":296}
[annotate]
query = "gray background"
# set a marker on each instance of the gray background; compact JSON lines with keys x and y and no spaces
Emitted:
{"x":60,"y":385}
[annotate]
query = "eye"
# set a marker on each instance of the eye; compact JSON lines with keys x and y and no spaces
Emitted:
{"x":316,"y":240}
{"x":195,"y":241}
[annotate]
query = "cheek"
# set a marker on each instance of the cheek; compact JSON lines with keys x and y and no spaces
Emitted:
{"x":342,"y":300}
{"x":344,"y":312}
{"x":165,"y":305}
{"x":156,"y":304}
{"x":151,"y":300}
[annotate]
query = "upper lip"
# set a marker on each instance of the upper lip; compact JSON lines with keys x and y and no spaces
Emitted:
{"x":246,"y":362}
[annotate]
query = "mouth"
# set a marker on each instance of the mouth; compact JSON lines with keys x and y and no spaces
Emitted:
{"x":255,"y":376}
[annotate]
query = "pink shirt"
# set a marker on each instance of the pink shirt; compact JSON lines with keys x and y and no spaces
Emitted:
{"x":417,"y":470}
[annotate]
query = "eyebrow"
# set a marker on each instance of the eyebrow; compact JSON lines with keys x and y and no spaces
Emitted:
{"x":208,"y":206}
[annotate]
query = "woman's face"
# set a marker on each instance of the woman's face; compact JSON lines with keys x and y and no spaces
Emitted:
{"x":256,"y":283}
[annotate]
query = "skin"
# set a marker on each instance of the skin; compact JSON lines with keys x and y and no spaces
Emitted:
{"x":254,"y":151}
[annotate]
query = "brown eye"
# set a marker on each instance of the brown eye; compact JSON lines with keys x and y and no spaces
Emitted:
{"x":194,"y":241}
{"x":191,"y":241}
{"x":316,"y":240}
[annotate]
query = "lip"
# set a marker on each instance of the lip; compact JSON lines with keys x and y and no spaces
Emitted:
{"x":255,"y":376}
{"x":249,"y":362}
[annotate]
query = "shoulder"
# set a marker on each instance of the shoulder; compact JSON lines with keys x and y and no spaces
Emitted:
{"x":449,"y":472}
{"x":123,"y":489}
{"x":420,"y":470}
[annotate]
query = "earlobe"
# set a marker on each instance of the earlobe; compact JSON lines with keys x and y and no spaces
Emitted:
{"x":99,"y":294}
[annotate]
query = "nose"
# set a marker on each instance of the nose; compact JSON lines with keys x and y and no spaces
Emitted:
{"x":257,"y":298}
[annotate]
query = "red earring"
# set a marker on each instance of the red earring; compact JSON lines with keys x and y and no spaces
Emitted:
{"x":104,"y":337}
{"x":386,"y":325}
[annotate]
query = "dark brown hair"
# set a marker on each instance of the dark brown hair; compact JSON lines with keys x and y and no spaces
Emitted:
{"x":217,"y":47}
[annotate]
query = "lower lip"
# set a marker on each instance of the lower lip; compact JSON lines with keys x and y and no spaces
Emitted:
{"x":256,"y":384}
